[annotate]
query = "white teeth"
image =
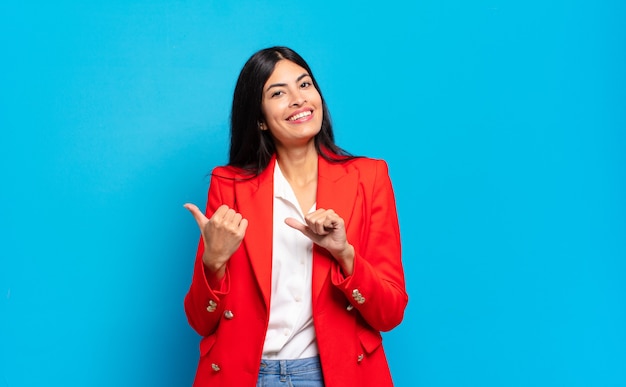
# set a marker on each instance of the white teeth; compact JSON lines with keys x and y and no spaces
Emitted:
{"x":299,"y":115}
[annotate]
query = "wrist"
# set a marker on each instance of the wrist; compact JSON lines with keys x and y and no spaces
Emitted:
{"x":346,"y":254}
{"x":345,"y":258}
{"x":216,"y":267}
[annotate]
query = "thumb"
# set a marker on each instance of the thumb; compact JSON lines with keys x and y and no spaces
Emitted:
{"x":197,"y":214}
{"x":294,"y":223}
{"x":303,"y":228}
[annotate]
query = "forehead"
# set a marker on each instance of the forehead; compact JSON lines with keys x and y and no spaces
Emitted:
{"x":285,"y":71}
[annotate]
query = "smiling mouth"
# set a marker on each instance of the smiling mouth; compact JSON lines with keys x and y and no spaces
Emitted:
{"x":298,"y":116}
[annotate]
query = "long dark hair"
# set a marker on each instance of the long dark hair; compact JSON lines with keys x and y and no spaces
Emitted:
{"x":251,"y":148}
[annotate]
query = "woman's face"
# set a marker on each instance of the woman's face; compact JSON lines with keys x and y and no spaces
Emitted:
{"x":291,"y":105}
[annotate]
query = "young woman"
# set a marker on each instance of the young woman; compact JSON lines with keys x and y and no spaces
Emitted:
{"x":299,"y":265}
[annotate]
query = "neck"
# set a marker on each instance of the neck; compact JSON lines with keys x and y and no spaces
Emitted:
{"x":298,"y":165}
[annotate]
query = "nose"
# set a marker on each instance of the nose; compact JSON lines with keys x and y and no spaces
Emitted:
{"x":297,"y":99}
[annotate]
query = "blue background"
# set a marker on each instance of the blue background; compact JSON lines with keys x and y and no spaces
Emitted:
{"x":503,"y":123}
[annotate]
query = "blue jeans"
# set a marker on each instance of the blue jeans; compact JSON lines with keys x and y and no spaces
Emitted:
{"x":291,"y":373}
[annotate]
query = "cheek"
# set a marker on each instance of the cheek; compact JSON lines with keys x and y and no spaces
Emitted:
{"x":272,"y":109}
{"x":317,"y":99}
{"x":267,"y":112}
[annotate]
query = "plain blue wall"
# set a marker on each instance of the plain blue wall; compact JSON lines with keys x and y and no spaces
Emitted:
{"x":503,"y":122}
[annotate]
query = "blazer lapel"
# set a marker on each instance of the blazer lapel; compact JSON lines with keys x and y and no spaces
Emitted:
{"x":255,"y":200}
{"x":336,"y":190}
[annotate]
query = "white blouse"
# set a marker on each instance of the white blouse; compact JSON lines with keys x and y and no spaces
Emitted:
{"x":290,"y":334}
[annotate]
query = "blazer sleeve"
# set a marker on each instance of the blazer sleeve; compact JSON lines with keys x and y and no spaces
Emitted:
{"x":376,"y":287}
{"x":203,"y":304}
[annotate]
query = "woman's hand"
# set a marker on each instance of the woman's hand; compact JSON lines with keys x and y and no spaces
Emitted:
{"x":222,"y":235}
{"x":327,"y":229}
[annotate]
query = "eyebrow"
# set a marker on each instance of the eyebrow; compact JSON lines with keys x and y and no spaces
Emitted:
{"x":284,"y":84}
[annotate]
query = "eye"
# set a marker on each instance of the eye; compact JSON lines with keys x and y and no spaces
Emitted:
{"x":277,"y":93}
{"x":305,"y":84}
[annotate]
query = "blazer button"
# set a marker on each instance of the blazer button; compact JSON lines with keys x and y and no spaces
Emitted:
{"x":359,"y":358}
{"x":212,"y":306}
{"x":228,"y":314}
{"x":215,"y":367}
{"x":358,"y":297}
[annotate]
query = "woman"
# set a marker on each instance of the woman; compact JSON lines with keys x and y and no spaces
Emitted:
{"x":298,"y":268}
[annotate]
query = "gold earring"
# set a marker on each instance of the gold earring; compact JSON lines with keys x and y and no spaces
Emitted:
{"x":262,"y":126}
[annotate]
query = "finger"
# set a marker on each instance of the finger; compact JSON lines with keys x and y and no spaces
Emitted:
{"x":229,"y":216}
{"x":197,"y":214}
{"x":320,"y":227}
{"x":318,"y":222}
{"x":220,"y":212}
{"x":243,"y":226}
{"x":304,"y":229}
{"x":325,"y":222}
{"x":312,"y":219}
{"x":332,"y":222}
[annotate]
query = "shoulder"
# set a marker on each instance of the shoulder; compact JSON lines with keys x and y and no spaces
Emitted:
{"x":227,"y":172}
{"x":367,"y":171}
{"x":366,"y":165}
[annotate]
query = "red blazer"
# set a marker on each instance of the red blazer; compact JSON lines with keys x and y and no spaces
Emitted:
{"x":348,"y":312}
